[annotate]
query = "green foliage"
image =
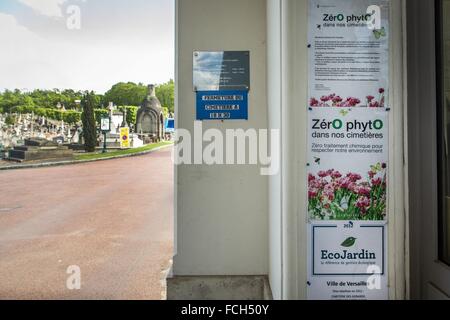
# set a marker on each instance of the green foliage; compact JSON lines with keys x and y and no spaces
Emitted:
{"x":165,"y":112}
{"x":99,"y":114}
{"x":44,"y":102}
{"x":43,"y":99}
{"x":131,"y":113}
{"x":10,"y":120}
{"x":166,"y":95}
{"x":69,"y":116}
{"x":10,"y":99}
{"x":126,"y":94}
{"x":89,"y":126}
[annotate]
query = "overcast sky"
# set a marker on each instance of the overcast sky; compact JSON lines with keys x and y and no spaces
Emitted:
{"x":119,"y":40}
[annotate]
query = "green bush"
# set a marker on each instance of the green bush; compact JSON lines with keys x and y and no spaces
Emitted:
{"x":10,"y":120}
{"x":165,"y":112}
{"x":131,"y":113}
{"x":70,"y":116}
{"x":89,"y":127}
{"x":100,"y":113}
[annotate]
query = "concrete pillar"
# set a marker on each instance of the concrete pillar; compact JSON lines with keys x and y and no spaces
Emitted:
{"x":221,"y":210}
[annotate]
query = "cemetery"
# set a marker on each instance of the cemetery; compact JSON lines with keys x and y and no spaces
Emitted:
{"x":30,"y":134}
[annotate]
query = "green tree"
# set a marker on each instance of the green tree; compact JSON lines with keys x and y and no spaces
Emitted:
{"x":166,"y":95}
{"x":10,"y":99}
{"x":88,"y":119}
{"x":69,"y":97}
{"x":125,"y":94}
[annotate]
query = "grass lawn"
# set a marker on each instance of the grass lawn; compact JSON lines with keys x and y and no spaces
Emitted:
{"x":94,"y":156}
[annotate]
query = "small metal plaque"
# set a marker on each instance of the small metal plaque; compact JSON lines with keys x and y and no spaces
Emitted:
{"x":221,"y":70}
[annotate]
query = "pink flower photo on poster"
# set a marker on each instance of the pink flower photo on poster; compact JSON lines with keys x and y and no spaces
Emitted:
{"x":334,"y":100}
{"x":333,"y":195}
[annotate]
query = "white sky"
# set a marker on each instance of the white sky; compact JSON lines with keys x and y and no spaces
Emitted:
{"x":119,"y":40}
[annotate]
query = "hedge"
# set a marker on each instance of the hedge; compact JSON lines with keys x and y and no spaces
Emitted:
{"x":131,"y":113}
{"x":72,"y":117}
{"x":69,"y":116}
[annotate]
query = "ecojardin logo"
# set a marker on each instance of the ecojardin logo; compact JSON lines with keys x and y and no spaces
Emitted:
{"x":349,"y":242}
{"x":346,"y":254}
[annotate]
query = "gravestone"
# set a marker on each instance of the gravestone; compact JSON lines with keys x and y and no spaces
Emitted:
{"x":40,"y":149}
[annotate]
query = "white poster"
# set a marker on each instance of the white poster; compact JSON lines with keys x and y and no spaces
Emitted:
{"x":348,"y":261}
{"x":348,"y":156}
{"x":348,"y":149}
{"x":349,"y":53}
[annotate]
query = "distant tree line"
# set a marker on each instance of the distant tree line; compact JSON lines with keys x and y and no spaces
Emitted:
{"x":131,"y":94}
{"x":44,"y":102}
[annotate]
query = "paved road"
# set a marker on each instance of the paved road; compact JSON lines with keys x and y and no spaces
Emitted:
{"x":111,"y":218}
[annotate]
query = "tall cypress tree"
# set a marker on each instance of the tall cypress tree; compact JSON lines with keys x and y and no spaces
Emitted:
{"x":88,"y":119}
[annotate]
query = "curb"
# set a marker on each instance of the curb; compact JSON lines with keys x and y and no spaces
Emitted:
{"x":69,"y":162}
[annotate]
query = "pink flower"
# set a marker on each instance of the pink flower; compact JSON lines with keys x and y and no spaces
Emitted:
{"x":381,"y":90}
{"x":337,"y":99}
{"x":344,"y":183}
{"x":374,"y":104}
{"x":336,"y":175}
{"x":364,"y":191}
{"x":353,"y":102}
{"x":372,"y":174}
{"x":313,"y":102}
{"x":325,"y":99}
{"x":353,"y":187}
{"x":311,"y":177}
{"x":363,"y":203}
{"x":312,"y":193}
{"x":328,"y":191}
{"x":377,"y":182}
{"x":370,"y":98}
{"x":323,"y":174}
{"x":354,"y":177}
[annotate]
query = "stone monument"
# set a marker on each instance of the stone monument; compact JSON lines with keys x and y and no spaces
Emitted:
{"x":150,"y":118}
{"x":40,"y":149}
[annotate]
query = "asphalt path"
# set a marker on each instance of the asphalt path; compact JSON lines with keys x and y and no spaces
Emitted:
{"x":106,"y":225}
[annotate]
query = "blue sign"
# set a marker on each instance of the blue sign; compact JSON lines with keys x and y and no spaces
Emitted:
{"x":222,"y":105}
{"x":169,"y":125}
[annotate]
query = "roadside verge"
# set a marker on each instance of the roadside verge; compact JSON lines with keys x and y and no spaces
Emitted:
{"x":84,"y":158}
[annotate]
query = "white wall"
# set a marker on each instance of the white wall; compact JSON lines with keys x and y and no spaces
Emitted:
{"x":221,"y":211}
{"x":274,"y":96}
{"x":230,"y":219}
